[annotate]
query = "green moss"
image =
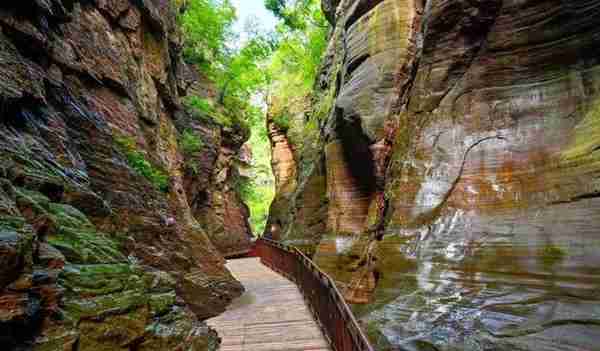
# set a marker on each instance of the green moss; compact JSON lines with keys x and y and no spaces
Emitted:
{"x":325,"y":105}
{"x":116,"y":294}
{"x":37,"y":169}
{"x":112,"y":332}
{"x":171,"y":331}
{"x":95,"y":290}
{"x":118,"y":303}
{"x":585,"y":139}
{"x":80,"y":246}
{"x":137,"y":160}
{"x":11,"y":222}
{"x":32,"y":200}
{"x":77,"y":238}
{"x":69,"y":216}
{"x":551,"y":255}
{"x":101,"y":279}
{"x":159,"y":281}
{"x":71,"y":232}
{"x":56,"y":337}
{"x":161,"y":303}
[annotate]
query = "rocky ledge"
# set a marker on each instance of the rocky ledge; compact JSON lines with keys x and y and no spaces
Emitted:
{"x":100,"y":246}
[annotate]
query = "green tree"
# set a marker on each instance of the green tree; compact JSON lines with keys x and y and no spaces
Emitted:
{"x":294,"y":65}
{"x":207,"y":26}
{"x":243,"y":73}
{"x":295,"y":14}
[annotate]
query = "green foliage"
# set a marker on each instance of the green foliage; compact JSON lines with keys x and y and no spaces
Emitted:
{"x":259,"y":192}
{"x":257,"y":195}
{"x":137,"y":160}
{"x":259,"y":205}
{"x":245,"y":187}
{"x":200,"y":105}
{"x":296,"y":14}
{"x":190,"y":142}
{"x":245,"y":74}
{"x":276,"y":6}
{"x":243,"y":81}
{"x":282,"y":120}
{"x":201,"y":109}
{"x":206,"y":26}
{"x":295,"y":64}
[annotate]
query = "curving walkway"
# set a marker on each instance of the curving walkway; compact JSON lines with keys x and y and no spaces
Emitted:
{"x":270,"y":316}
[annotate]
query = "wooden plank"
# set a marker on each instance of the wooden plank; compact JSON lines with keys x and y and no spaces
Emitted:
{"x":270,"y":316}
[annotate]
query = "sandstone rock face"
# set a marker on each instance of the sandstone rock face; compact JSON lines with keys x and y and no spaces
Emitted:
{"x":460,"y":152}
{"x":210,"y":177}
{"x":211,"y":174}
{"x":296,"y":150}
{"x":283,"y":165}
{"x":99,"y":245}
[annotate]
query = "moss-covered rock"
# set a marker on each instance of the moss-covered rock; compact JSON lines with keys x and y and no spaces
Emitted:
{"x":113,"y":332}
{"x":97,"y":237}
{"x":101,"y":279}
{"x":171,"y":331}
{"x":162,"y":303}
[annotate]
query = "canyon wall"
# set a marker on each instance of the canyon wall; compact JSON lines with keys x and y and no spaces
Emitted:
{"x":448,"y":174}
{"x":104,"y":240}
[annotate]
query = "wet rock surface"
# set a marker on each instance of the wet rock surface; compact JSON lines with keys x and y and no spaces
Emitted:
{"x":458,"y":144}
{"x":94,"y":253}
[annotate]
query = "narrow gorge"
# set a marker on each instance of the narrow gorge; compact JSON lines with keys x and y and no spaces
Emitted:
{"x":438,"y":159}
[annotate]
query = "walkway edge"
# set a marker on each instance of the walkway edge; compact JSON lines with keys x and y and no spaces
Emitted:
{"x":319,"y":291}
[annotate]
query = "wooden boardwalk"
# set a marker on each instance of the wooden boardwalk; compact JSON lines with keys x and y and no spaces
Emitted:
{"x":270,"y":316}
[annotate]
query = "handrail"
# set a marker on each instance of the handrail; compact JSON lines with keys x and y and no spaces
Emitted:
{"x":320,"y":292}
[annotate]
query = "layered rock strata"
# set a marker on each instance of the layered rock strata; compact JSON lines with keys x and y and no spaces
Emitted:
{"x":212,"y":192}
{"x":454,"y":144}
{"x":99,"y":249}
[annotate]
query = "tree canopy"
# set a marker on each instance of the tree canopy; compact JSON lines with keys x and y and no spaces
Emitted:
{"x":207,"y":25}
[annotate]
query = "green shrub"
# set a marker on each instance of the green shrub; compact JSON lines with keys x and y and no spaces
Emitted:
{"x":202,"y":110}
{"x":282,"y":121}
{"x":199,"y":105}
{"x":137,"y":160}
{"x":223,"y":120}
{"x":190,"y":142}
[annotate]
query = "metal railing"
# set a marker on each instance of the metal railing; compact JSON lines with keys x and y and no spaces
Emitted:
{"x":322,"y":296}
